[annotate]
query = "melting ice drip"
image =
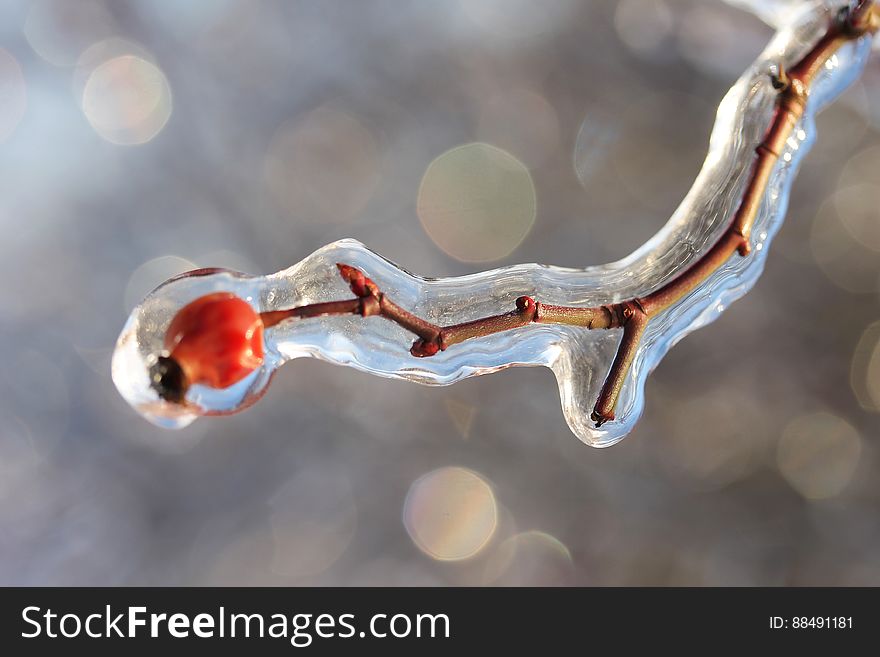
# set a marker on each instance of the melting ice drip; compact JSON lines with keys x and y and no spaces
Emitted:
{"x":579,"y":358}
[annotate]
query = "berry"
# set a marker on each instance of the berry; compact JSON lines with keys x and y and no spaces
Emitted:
{"x":216,"y":341}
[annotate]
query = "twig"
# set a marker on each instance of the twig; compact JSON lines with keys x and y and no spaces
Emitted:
{"x":632,"y":315}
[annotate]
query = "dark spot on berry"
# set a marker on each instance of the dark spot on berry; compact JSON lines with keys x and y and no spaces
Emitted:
{"x":168,"y":380}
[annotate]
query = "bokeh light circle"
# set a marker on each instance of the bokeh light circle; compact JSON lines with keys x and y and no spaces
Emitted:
{"x":643,"y":25}
{"x":17,"y":453}
{"x":597,"y":134}
{"x":13,"y":94}
{"x":872,"y":376}
{"x":818,"y":454}
{"x":59,"y":30}
{"x":450,"y":513}
{"x":313,"y":518}
{"x":522,"y":122}
{"x":707,"y":459}
{"x":718,"y":40}
{"x":532,"y":558}
{"x":519,"y":19}
{"x":864,"y":373}
{"x":845,"y":260}
{"x":858,"y":208}
{"x":641,"y":154}
{"x":100,"y":52}
{"x":127,"y":100}
{"x":323,"y":167}
{"x":149,"y":275}
{"x":477,"y":202}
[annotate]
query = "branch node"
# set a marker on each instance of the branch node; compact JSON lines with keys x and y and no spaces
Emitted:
{"x":424,"y":349}
{"x":633,"y":330}
{"x":858,"y":19}
{"x":527,"y":308}
{"x":370,"y":306}
{"x":779,"y":78}
{"x":745,"y":247}
{"x":794,"y":96}
{"x":618,"y":315}
{"x":763,"y":148}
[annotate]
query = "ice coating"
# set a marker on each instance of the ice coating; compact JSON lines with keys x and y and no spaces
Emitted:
{"x":579,"y":358}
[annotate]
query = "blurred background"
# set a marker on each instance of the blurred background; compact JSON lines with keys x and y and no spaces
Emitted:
{"x":140,"y":139}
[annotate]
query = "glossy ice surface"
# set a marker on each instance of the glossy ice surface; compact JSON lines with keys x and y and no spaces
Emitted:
{"x":579,"y":358}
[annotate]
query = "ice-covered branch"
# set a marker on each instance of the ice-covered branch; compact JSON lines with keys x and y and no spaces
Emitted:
{"x":709,"y":254}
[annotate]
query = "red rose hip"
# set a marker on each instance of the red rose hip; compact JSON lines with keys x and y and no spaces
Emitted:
{"x":216,"y":341}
